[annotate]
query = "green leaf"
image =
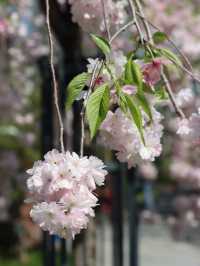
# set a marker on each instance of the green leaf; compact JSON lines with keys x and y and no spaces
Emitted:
{"x":101,"y":43}
{"x":97,"y":108}
{"x":171,"y":56}
{"x":136,"y":115}
{"x":161,"y":93}
{"x":142,"y":101}
{"x":75,"y":87}
{"x":122,"y":102}
{"x":159,"y":37}
{"x":133,"y":74}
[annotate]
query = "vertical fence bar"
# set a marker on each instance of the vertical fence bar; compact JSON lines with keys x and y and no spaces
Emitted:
{"x":133,"y":217}
{"x":117,"y":218}
{"x":47,"y":137}
{"x":63,"y":253}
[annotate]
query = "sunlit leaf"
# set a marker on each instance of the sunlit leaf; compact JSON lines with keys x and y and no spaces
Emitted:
{"x":97,"y":108}
{"x":133,"y":74}
{"x":171,"y":56}
{"x":75,"y":87}
{"x":101,"y":43}
{"x":136,"y":115}
{"x":143,"y":102}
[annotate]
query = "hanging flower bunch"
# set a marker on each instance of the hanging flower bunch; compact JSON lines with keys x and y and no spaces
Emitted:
{"x":61,"y":188}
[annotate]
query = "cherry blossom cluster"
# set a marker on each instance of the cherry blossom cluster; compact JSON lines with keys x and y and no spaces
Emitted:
{"x":61,"y":189}
{"x":190,"y":127}
{"x":89,"y":14}
{"x":179,"y":20}
{"x":120,"y":134}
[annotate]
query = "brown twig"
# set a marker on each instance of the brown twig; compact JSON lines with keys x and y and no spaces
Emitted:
{"x":133,"y":10}
{"x":105,"y":19}
{"x":179,"y":112}
{"x":187,"y":61}
{"x":132,"y":22}
{"x":55,"y":84}
{"x":164,"y":77}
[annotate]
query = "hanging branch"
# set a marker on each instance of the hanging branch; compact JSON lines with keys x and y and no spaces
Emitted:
{"x":179,"y":112}
{"x":105,"y":19}
{"x":55,"y":84}
{"x":187,"y":61}
{"x":124,"y":28}
{"x":164,"y":77}
{"x":133,"y":10}
{"x":145,"y":24}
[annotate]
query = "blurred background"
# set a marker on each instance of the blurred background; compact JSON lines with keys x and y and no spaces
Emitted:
{"x":147,"y":216}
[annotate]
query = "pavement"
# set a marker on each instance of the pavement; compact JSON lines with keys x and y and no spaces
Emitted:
{"x":157,"y":247}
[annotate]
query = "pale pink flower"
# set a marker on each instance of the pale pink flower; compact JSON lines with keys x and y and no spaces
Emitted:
{"x":119,"y":133}
{"x":183,"y":127}
{"x":61,"y":188}
{"x":129,"y":89}
{"x":184,"y":97}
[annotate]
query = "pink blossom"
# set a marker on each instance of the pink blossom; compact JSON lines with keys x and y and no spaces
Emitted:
{"x":61,"y":188}
{"x":152,"y":71}
{"x":129,"y":89}
{"x":183,"y":127}
{"x":119,"y":133}
{"x":89,"y":14}
{"x":3,"y":26}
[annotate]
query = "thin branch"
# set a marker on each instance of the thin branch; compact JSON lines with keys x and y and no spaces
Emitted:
{"x":171,"y":96}
{"x":105,"y":19}
{"x":121,"y":30}
{"x":189,"y":72}
{"x":133,"y":10}
{"x":164,"y":77}
{"x":55,"y":84}
{"x":187,"y":61}
{"x":82,"y":134}
{"x":146,"y":26}
{"x":184,"y":69}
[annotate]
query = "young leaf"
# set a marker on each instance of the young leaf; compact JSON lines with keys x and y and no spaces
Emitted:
{"x":101,"y":43}
{"x":75,"y":87}
{"x":160,"y":93}
{"x":133,"y":73}
{"x":142,"y":101}
{"x":171,"y":56}
{"x":97,"y":108}
{"x":159,"y":37}
{"x":136,"y":115}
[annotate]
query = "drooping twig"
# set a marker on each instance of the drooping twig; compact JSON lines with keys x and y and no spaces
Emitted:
{"x":133,"y":10}
{"x":106,"y":19}
{"x":146,"y":26}
{"x":164,"y":77}
{"x":179,"y":112}
{"x":187,"y":61}
{"x":55,"y":84}
{"x":122,"y":29}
